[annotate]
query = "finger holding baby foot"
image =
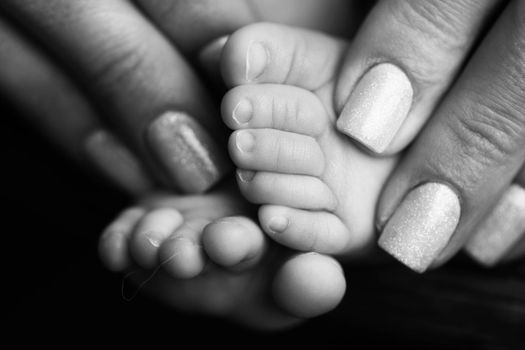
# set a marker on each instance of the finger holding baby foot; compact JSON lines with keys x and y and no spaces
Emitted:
{"x":500,"y":237}
{"x":465,"y":159}
{"x":52,"y":103}
{"x":142,"y":85}
{"x":401,"y":63}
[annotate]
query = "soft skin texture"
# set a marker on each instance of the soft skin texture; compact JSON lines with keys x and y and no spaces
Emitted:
{"x":317,"y":189}
{"x":203,"y":254}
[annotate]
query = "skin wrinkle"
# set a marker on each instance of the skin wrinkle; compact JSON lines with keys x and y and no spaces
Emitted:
{"x":439,"y":22}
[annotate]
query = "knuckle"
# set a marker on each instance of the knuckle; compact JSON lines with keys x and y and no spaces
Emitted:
{"x":441,"y":21}
{"x":490,"y":131}
{"x":117,"y":68}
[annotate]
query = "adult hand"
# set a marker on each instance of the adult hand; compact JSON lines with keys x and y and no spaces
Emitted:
{"x":409,"y":70}
{"x":118,"y":67}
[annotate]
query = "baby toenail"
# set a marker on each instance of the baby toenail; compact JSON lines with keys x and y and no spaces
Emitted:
{"x":243,"y":112}
{"x":278,"y":224}
{"x":245,"y":141}
{"x":256,"y":60}
{"x":154,"y":238}
{"x":245,"y":175}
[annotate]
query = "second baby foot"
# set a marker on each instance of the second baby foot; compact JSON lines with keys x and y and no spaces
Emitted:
{"x":318,"y":189}
{"x":204,"y":254}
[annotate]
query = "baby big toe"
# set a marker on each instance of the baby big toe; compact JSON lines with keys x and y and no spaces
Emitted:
{"x":309,"y":285}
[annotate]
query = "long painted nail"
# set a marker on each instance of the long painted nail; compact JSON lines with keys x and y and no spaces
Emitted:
{"x":117,"y":162}
{"x":501,"y":230}
{"x":257,"y":59}
{"x":377,"y":107}
{"x":422,"y":225}
{"x":187,"y":152}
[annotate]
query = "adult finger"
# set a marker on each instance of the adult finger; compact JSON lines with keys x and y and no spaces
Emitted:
{"x":466,"y":157}
{"x":52,"y":103}
{"x":142,"y":85}
{"x":190,"y":24}
{"x":403,"y":59}
{"x":501,"y":235}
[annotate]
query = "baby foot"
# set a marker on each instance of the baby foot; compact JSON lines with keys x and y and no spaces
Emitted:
{"x":202,"y":254}
{"x":318,"y":190}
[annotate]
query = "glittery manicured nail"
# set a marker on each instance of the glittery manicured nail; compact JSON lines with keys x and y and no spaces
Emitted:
{"x":377,"y":107}
{"x":422,"y":225}
{"x":117,"y":162}
{"x":192,"y":158}
{"x":243,"y":112}
{"x":245,"y":141}
{"x":278,"y":224}
{"x":501,"y":230}
{"x":256,"y":60}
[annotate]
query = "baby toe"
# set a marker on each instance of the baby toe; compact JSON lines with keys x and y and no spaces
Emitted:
{"x":181,"y":254}
{"x":113,"y":244}
{"x":297,"y":191}
{"x":281,"y":107}
{"x":234,"y":242}
{"x":150,"y":232}
{"x":276,"y":151}
{"x":303,"y":230}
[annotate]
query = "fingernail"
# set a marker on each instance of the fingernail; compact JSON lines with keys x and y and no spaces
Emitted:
{"x":117,"y":162}
{"x":422,"y":225}
{"x":243,"y":112}
{"x":278,"y":224}
{"x":245,"y":175}
{"x":377,"y":107}
{"x":501,"y":230}
{"x":256,"y":60}
{"x":188,"y":153}
{"x":245,"y":141}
